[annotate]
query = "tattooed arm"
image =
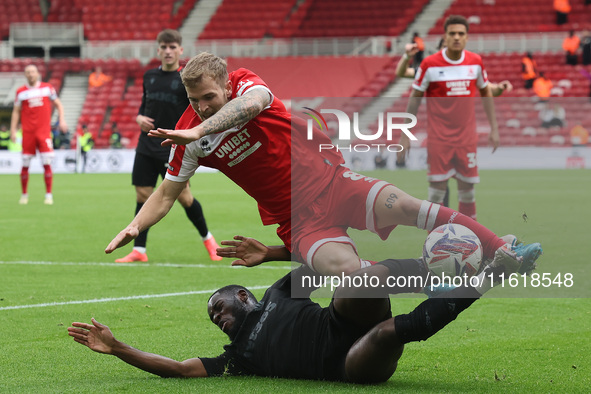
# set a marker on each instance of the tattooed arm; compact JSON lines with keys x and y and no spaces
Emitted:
{"x":236,"y":112}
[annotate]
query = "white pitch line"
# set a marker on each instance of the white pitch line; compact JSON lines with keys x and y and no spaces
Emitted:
{"x":138,"y":297}
{"x":170,"y":265}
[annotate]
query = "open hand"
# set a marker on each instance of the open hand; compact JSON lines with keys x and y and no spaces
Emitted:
{"x":95,"y":336}
{"x":179,"y":137}
{"x":126,"y":235}
{"x":248,"y":251}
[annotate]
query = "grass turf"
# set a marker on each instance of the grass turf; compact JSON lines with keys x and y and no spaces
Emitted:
{"x":54,"y":255}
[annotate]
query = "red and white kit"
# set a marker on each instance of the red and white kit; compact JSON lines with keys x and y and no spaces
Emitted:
{"x":303,"y":190}
{"x":450,"y":87}
{"x":35,"y":102}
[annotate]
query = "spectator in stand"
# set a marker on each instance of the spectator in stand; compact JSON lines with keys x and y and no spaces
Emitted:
{"x":98,"y":78}
{"x":529,"y":70}
{"x":562,"y":8}
{"x":571,"y":45}
{"x":542,"y":87}
{"x":420,"y":50}
{"x":554,"y":116}
{"x":4,"y":137}
{"x":115,"y":139}
{"x":587,"y":75}
{"x":579,"y":135}
{"x":586,"y":47}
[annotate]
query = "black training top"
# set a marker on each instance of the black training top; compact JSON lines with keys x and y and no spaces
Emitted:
{"x":288,"y":338}
{"x":164,"y":100}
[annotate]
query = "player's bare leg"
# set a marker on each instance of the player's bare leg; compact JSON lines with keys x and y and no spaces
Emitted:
{"x":467,"y":199}
{"x":195,"y":214}
{"x":334,"y":258}
{"x":373,"y":358}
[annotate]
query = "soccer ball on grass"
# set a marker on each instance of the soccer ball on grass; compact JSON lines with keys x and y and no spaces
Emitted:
{"x":452,"y":250}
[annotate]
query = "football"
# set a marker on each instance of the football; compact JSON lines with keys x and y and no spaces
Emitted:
{"x":452,"y":250}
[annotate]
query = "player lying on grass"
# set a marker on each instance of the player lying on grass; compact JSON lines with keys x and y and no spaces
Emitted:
{"x":354,"y":339}
{"x":235,"y":124}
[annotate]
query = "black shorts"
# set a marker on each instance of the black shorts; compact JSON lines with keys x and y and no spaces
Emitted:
{"x":146,"y":170}
{"x":339,"y":337}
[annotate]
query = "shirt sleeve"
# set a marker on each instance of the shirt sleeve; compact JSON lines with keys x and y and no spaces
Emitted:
{"x":482,"y":79}
{"x":52,"y":93}
{"x":216,"y":366}
{"x":183,"y":162}
{"x":143,"y":105}
{"x":245,"y":81}
{"x":421,"y":82}
{"x":17,"y":99}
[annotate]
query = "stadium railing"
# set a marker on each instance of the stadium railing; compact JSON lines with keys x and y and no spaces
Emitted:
{"x":334,"y":46}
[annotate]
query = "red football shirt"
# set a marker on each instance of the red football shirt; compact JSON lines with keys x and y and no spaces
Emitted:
{"x":35,"y":102}
{"x":258,"y":156}
{"x":450,"y":86}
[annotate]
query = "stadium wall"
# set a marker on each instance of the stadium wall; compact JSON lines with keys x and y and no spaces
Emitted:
{"x":99,"y":161}
{"x":513,"y":158}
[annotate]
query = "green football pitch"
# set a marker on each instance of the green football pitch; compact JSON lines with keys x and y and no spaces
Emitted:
{"x":53,"y":271}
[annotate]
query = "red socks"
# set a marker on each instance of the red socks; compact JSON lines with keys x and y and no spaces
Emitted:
{"x":48,"y":178}
{"x":434,"y":215}
{"x":468,"y":209}
{"x":24,"y":179}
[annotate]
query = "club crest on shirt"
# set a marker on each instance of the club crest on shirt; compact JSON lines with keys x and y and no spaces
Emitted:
{"x":204,"y":143}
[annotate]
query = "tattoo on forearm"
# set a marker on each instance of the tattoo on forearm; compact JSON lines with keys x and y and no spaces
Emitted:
{"x":236,"y":112}
{"x":391,"y":200}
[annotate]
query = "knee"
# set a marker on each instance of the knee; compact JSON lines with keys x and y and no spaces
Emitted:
{"x":143,"y":193}
{"x":336,"y":263}
{"x":410,"y":207}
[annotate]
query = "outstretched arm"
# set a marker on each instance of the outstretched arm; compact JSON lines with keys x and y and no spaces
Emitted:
{"x":249,"y":252}
{"x":153,"y":210}
{"x":235,"y":113}
{"x":99,"y":338}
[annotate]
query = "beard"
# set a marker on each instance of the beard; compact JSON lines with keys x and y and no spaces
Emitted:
{"x":240,"y":314}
